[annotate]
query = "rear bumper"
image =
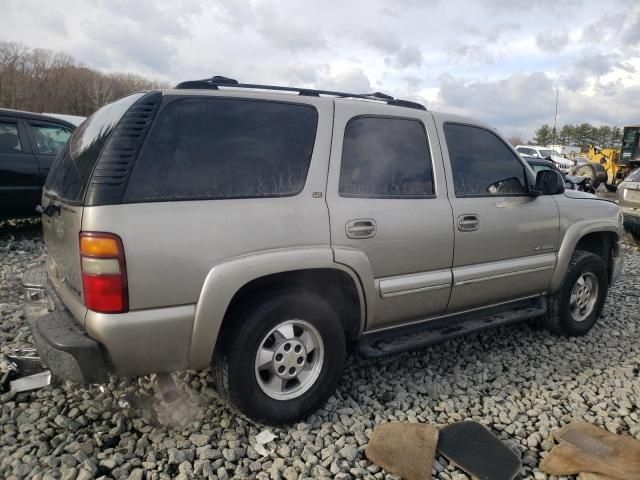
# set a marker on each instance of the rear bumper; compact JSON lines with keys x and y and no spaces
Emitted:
{"x":62,"y":344}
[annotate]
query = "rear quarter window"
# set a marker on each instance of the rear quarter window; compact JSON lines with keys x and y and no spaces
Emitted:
{"x":72,"y":167}
{"x":219,"y":148}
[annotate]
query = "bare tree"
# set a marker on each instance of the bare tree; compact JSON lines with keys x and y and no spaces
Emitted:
{"x":45,"y":81}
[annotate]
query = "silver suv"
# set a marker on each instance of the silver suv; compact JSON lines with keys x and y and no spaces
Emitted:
{"x":263,"y":230}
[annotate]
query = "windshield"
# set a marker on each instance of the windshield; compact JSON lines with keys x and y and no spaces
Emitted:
{"x":73,"y":166}
{"x":546,"y":153}
{"x":538,"y":168}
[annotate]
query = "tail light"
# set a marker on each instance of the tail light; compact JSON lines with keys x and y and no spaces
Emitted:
{"x":104,"y":273}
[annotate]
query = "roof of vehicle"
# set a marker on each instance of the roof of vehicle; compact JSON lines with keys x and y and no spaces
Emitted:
{"x":74,"y":119}
{"x":8,"y":112}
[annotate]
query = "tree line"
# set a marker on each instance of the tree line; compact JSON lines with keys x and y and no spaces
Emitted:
{"x":581,"y":136}
{"x":40,"y":80}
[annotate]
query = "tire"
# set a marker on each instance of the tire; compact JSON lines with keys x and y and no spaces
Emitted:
{"x":259,"y":392}
{"x":593,"y":171}
{"x":636,"y":235}
{"x":561,"y":317}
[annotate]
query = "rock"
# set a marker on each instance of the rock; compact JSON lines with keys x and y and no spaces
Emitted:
{"x":349,"y":452}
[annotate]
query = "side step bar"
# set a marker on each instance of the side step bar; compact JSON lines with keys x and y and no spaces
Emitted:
{"x":415,"y":337}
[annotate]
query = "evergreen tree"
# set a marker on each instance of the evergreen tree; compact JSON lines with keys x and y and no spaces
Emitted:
{"x":543,"y":136}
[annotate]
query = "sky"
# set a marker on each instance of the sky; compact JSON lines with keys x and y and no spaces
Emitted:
{"x":500,"y":61}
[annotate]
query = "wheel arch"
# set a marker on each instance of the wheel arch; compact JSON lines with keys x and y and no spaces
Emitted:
{"x":599,"y":237}
{"x":233,"y":282}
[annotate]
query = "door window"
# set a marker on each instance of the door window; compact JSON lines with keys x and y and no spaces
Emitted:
{"x":482,"y":164}
{"x":385,"y":157}
{"x":9,"y":138}
{"x":50,"y":138}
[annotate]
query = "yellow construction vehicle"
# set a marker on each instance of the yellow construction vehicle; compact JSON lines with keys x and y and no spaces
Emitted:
{"x":610,"y":165}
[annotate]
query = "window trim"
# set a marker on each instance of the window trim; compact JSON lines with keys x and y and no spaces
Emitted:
{"x":527,"y":177}
{"x":170,"y":99}
{"x":390,"y":197}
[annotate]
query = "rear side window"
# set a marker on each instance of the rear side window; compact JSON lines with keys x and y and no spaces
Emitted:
{"x":50,"y":138}
{"x":217,"y":148}
{"x":385,"y":157}
{"x":9,"y":138}
{"x":72,"y":167}
{"x":482,"y":164}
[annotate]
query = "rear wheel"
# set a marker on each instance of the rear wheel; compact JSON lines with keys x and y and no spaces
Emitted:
{"x":575,"y":307}
{"x":280,"y":358}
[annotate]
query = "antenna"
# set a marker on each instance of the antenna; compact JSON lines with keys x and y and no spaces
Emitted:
{"x":555,"y":120}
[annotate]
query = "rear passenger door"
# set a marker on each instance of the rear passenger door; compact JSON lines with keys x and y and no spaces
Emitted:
{"x":19,"y":182}
{"x":388,"y":204}
{"x":505,"y":239}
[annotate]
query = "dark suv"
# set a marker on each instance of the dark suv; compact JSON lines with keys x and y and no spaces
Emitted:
{"x":28,"y":144}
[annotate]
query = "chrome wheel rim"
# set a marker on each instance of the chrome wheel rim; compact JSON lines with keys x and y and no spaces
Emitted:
{"x":289,"y":359}
{"x":584,"y":296}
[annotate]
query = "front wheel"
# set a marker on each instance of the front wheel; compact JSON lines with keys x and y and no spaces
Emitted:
{"x":280,"y":358}
{"x":575,"y":307}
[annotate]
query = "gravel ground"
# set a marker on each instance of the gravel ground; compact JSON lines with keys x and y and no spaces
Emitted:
{"x":520,"y":381}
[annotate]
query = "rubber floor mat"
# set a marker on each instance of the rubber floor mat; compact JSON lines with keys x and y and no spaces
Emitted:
{"x":586,"y":448}
{"x":404,"y":449}
{"x":477,"y":451}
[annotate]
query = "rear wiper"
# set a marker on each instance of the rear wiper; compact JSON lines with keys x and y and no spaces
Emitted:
{"x":49,"y":210}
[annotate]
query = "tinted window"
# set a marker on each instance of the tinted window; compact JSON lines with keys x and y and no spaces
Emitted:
{"x":72,"y":168}
{"x":50,"y":139}
{"x":9,"y":139}
{"x":482,"y":164}
{"x":385,"y":158}
{"x":206,"y":148}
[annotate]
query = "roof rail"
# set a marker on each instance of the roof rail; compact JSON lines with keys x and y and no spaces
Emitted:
{"x":217,"y":81}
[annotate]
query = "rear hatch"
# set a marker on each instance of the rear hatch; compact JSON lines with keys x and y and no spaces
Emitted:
{"x":63,"y":200}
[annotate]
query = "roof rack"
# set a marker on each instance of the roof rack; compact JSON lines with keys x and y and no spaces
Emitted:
{"x":217,"y":81}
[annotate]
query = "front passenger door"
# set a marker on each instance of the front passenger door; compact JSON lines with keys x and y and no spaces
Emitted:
{"x":505,"y":238}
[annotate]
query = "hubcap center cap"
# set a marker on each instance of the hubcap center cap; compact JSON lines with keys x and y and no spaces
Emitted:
{"x":289,"y":359}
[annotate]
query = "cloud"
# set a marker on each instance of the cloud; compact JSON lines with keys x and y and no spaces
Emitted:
{"x":396,"y":54}
{"x":288,"y":31}
{"x":498,"y":60}
{"x":631,"y":36}
{"x":552,"y":40}
{"x":350,"y":79}
{"x":593,"y":67}
{"x":524,"y":102}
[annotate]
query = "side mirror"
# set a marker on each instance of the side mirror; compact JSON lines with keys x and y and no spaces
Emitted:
{"x":549,"y":182}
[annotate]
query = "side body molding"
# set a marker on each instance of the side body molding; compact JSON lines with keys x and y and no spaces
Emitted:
{"x":225,"y":279}
{"x":572,"y":236}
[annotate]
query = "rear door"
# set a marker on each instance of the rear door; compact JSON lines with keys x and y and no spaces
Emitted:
{"x":19,"y":182}
{"x":505,"y":239}
{"x":387,"y":200}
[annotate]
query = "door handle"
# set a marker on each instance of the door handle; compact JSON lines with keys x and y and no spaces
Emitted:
{"x":361,"y":228}
{"x":468,"y":222}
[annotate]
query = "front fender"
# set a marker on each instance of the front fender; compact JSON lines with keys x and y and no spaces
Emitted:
{"x":572,"y":236}
{"x":227,"y":278}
